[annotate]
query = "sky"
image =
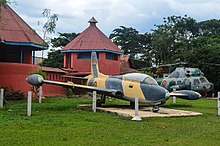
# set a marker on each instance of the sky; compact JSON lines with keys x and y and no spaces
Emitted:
{"x":111,"y":14}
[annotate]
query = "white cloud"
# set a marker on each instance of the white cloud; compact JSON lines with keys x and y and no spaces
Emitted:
{"x":198,"y":9}
{"x":139,"y":14}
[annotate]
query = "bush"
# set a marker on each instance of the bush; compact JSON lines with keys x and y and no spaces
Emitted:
{"x":11,"y":94}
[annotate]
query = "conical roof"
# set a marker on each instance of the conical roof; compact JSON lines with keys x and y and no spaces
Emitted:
{"x":15,"y":31}
{"x":92,"y":39}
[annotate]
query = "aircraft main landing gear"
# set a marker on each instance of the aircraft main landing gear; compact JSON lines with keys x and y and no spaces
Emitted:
{"x":101,"y":101}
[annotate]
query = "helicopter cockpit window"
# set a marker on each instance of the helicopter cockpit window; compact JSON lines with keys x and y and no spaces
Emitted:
{"x":174,"y":74}
{"x":178,"y":82}
{"x":196,"y":82}
{"x":203,"y":80}
{"x":150,"y":80}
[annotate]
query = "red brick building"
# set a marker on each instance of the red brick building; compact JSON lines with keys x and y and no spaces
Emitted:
{"x":18,"y":43}
{"x":77,"y":52}
{"x":17,"y":38}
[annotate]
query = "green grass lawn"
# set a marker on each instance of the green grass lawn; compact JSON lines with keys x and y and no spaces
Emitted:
{"x":57,"y":121}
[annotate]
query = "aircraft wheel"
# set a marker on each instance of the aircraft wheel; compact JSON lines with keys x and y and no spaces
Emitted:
{"x":155,"y":108}
{"x":98,"y":102}
{"x":132,"y":105}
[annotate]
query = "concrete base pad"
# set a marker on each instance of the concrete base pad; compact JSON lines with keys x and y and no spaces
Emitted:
{"x":144,"y":112}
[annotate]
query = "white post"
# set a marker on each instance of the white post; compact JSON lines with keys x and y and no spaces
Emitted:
{"x":94,"y":101}
{"x":40,"y":94}
{"x":136,"y":114}
{"x":174,"y":97}
{"x":29,"y":103}
{"x":218,"y":103}
{"x":2,"y":98}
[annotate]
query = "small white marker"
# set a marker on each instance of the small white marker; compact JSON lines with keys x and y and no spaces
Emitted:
{"x":2,"y":98}
{"x":40,"y":94}
{"x":218,"y":103}
{"x":136,"y":114}
{"x":29,"y":103}
{"x":94,"y":101}
{"x":174,"y":97}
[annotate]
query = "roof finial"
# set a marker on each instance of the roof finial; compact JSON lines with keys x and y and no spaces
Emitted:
{"x":93,"y":21}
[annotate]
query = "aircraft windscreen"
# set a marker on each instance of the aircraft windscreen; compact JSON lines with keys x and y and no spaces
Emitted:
{"x":174,"y":74}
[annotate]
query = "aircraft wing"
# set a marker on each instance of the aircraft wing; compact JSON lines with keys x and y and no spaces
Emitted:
{"x":186,"y":94}
{"x":110,"y":92}
{"x":73,"y":77}
{"x":38,"y":80}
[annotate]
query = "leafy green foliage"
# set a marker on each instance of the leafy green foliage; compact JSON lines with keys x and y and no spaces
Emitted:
{"x":14,"y":95}
{"x":3,"y":2}
{"x":63,"y":39}
{"x":50,"y":25}
{"x":178,"y":39}
{"x":11,"y":94}
{"x":40,"y":72}
{"x":55,"y":59}
{"x":126,"y":38}
{"x":173,"y":38}
{"x":132,"y":42}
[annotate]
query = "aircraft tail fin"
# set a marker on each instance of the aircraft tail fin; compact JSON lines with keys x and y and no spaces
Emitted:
{"x":94,"y":65}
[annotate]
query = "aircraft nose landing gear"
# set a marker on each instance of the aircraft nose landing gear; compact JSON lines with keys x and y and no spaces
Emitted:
{"x":155,"y":108}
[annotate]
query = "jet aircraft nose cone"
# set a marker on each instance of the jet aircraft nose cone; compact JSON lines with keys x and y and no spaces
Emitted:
{"x":156,"y":93}
{"x":35,"y":79}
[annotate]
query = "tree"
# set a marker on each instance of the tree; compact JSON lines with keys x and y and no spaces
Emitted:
{"x":209,"y":27}
{"x":3,"y":2}
{"x":172,"y":39}
{"x":63,"y":39}
{"x":206,"y":56}
{"x":55,"y":59}
{"x":133,"y":43}
{"x":50,"y":25}
{"x":127,"y":39}
{"x":162,"y":44}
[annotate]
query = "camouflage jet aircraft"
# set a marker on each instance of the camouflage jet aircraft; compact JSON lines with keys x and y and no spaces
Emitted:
{"x":124,"y":87}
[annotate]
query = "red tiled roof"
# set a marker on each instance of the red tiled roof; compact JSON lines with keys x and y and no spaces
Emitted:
{"x":51,"y":69}
{"x":14,"y":29}
{"x":92,"y":39}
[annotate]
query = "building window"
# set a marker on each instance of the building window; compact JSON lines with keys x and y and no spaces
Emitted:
{"x":85,"y":55}
{"x":111,"y":56}
{"x":68,"y":60}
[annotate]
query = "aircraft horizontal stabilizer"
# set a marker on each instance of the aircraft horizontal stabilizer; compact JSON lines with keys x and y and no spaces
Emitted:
{"x":186,"y":94}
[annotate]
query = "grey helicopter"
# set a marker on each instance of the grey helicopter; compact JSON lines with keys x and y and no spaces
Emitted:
{"x":185,"y":78}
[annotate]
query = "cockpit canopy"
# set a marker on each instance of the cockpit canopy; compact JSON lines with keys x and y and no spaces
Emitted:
{"x":142,"y":78}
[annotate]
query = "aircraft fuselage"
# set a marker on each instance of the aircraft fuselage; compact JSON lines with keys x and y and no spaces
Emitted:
{"x":146,"y":92}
